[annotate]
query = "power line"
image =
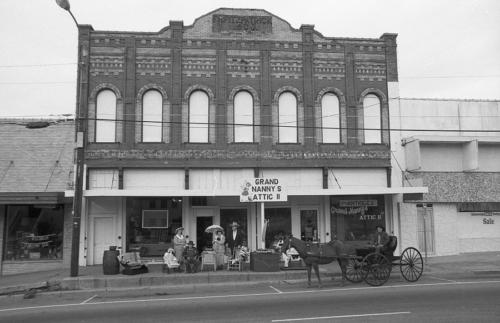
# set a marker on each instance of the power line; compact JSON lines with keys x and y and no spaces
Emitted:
{"x":203,"y":125}
{"x":449,"y":76}
{"x":35,"y":65}
{"x":400,"y":168}
{"x":29,"y":83}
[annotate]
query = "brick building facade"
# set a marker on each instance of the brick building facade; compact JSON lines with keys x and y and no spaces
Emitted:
{"x":176,"y":120}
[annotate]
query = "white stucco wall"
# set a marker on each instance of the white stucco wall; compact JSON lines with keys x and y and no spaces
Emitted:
{"x":474,"y":235}
{"x":445,"y":229}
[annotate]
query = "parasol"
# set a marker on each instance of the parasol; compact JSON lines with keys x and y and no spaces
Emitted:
{"x":213,"y":228}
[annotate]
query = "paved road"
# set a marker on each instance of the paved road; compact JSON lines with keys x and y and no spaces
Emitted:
{"x":431,"y":300}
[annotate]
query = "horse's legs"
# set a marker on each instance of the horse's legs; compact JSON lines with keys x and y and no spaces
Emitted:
{"x":316,"y":270}
{"x":343,"y":268}
{"x":308,"y":267}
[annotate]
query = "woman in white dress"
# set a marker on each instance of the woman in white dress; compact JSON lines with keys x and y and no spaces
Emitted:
{"x":179,"y":243}
{"x":219,"y":248}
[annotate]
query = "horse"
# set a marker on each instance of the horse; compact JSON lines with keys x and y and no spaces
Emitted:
{"x":318,"y":254}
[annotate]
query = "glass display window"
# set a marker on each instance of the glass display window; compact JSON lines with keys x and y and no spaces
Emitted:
{"x":151,"y":224}
{"x":34,"y":232}
{"x":354,"y":218}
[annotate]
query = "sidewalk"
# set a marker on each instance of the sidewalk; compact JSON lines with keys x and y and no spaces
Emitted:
{"x":91,"y":278}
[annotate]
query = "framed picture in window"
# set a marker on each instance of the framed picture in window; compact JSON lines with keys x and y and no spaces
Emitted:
{"x":154,"y":219}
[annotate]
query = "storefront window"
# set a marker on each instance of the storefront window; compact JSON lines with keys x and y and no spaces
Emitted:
{"x":309,"y":225}
{"x":151,"y":224}
{"x":354,"y":218}
{"x":34,"y":233}
{"x":279,"y":226}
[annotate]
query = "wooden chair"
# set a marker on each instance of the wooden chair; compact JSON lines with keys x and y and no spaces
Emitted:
{"x":208,"y":258}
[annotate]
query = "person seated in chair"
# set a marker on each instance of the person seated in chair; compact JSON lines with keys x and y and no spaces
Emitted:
{"x":380,"y":240}
{"x":191,"y":258}
{"x":170,"y":260}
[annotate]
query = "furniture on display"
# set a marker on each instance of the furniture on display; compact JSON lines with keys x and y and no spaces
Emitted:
{"x":208,"y":259}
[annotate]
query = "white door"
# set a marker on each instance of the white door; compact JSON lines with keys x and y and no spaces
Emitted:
{"x":103,"y":237}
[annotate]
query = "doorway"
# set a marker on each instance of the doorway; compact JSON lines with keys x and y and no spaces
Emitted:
{"x":279,"y":226}
{"x":309,"y":225}
{"x":203,"y":239}
{"x":425,"y":228}
{"x":103,"y":237}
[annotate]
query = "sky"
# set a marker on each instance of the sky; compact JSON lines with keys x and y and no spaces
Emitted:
{"x":446,"y":48}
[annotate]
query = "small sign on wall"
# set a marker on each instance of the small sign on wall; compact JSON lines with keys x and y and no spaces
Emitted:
{"x":487,"y":216}
{"x":155,"y":219}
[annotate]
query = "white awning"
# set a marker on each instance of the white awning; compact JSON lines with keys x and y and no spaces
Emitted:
{"x":368,"y":190}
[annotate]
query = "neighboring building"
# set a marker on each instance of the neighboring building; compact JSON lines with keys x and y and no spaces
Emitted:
{"x":461,"y":168}
{"x":36,"y":168}
{"x":178,"y":119}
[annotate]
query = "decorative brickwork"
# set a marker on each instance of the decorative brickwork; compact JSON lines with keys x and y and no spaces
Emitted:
{"x":370,"y":71}
{"x":106,"y":65}
{"x":228,"y":50}
{"x":153,"y":65}
{"x":198,"y":66}
{"x":243,"y":67}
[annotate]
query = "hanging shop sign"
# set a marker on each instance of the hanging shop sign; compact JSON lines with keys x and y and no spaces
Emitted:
{"x":262,"y":190}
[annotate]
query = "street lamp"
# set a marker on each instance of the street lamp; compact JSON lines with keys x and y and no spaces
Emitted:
{"x":79,"y":155}
{"x":65,"y":5}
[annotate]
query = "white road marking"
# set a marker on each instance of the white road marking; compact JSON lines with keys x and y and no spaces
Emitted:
{"x":339,"y":316}
{"x":190,"y":298}
{"x":277,"y":290}
{"x":88,"y":299}
{"x":446,"y":280}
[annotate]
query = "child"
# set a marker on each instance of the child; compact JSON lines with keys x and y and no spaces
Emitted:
{"x":170,"y":260}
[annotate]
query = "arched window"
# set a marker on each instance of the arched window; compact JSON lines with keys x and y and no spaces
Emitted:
{"x":287,"y":118}
{"x":105,"y":126}
{"x":371,"y":119}
{"x":330,"y":118}
{"x":152,"y":103}
{"x":243,"y":117}
{"x":198,"y":116}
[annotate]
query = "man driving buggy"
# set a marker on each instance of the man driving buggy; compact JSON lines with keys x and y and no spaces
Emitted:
{"x":380,"y":239}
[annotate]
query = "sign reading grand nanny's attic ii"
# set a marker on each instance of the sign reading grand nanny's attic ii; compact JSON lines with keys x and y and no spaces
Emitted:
{"x":262,"y":190}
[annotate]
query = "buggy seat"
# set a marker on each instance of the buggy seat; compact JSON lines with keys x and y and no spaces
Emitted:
{"x":390,"y":247}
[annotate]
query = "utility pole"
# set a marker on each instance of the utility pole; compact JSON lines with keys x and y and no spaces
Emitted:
{"x":79,"y":151}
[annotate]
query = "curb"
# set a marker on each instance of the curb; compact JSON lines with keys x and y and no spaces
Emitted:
{"x":175,"y":280}
{"x":20,"y":289}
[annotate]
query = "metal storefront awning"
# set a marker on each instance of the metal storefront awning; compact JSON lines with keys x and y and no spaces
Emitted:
{"x":31,"y":197}
{"x":366,"y":190}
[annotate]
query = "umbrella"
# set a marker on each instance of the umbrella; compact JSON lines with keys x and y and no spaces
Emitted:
{"x":213,"y":228}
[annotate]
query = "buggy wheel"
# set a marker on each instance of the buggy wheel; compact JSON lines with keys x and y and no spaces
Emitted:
{"x":356,"y":270}
{"x":378,"y":269}
{"x":411,"y":264}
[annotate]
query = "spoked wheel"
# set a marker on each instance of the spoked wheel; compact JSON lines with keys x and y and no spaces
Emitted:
{"x":356,"y":270}
{"x":378,"y":269}
{"x":411,"y":264}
